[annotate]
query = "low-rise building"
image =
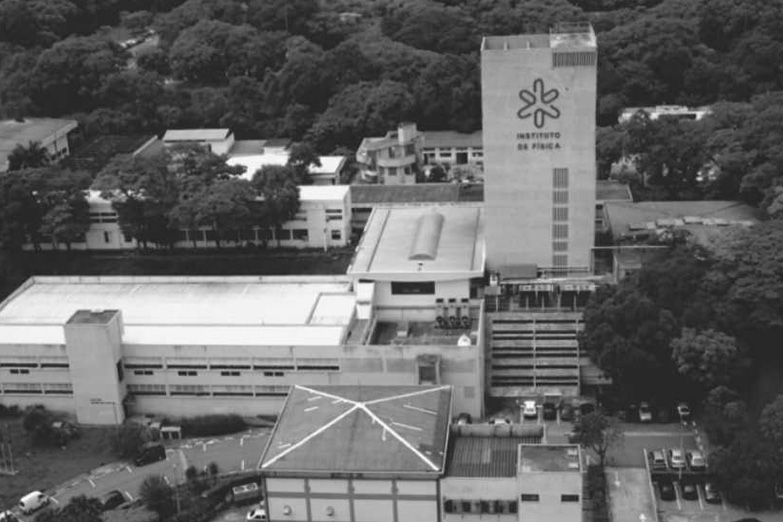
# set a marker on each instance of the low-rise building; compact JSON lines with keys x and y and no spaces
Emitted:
{"x":677,"y":112}
{"x":178,"y":346}
{"x":50,"y":133}
{"x":323,"y":221}
{"x":356,"y":453}
{"x":394,"y":159}
{"x":454,"y":148}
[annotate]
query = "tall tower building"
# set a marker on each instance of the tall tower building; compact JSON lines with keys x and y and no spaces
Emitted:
{"x":538,"y":99}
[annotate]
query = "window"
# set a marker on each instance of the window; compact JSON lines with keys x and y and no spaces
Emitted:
{"x":127,"y":238}
{"x":560,"y":178}
{"x":107,"y":237}
{"x":448,"y":506}
{"x":247,"y":234}
{"x":211,"y":235}
{"x":560,"y":260}
{"x":466,"y":506}
{"x":560,"y":231}
{"x":189,"y":389}
{"x":187,"y":373}
{"x":413,"y":288}
{"x":573,"y":59}
{"x":529,"y":497}
{"x":58,"y":389}
{"x":236,"y":390}
{"x":120,"y":372}
{"x":272,"y":391}
{"x":334,"y":214}
{"x":182,"y":235}
{"x":143,"y":372}
{"x":23,"y":388}
{"x":446,"y":153}
{"x":391,"y":171}
{"x":19,"y":371}
{"x":512,"y":506}
{"x":560,"y":214}
{"x":560,"y":197}
{"x":265,"y":234}
{"x":274,"y":374}
{"x":569,"y":498}
{"x":477,"y":154}
{"x":300,"y":234}
{"x":283,"y":234}
{"x":147,"y":389}
{"x":560,"y":246}
{"x":230,"y":374}
{"x":336,"y":235}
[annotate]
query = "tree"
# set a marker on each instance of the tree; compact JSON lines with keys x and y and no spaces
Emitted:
{"x":708,"y":358}
{"x":143,"y":191}
{"x":746,"y":470}
{"x":300,"y":158}
{"x":276,"y":187}
{"x":31,"y":156}
{"x":129,"y":439}
{"x":725,"y":415}
{"x":65,"y":212}
{"x":20,"y":215}
{"x":68,"y":76}
{"x":157,"y":495}
{"x":37,"y":421}
{"x":78,"y":509}
{"x":771,"y":421}
{"x":598,"y":433}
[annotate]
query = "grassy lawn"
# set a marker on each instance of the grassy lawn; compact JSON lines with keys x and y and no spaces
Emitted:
{"x":43,"y":467}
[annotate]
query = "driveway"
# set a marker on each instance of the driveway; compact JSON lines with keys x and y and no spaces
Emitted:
{"x":233,"y":453}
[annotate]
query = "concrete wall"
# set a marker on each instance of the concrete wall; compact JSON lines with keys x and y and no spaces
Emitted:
{"x":550,"y":486}
{"x":93,"y":354}
{"x":519,"y":157}
{"x":420,"y":307}
{"x":349,"y":500}
{"x":474,"y":490}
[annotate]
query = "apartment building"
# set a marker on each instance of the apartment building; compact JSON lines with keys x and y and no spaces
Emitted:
{"x":393,"y":159}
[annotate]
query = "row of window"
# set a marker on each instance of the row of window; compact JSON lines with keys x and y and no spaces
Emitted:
{"x":191,"y":370}
{"x":480,"y":506}
{"x":535,"y":497}
{"x":202,"y":390}
{"x":29,"y":388}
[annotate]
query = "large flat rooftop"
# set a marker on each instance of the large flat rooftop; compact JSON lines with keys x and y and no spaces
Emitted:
{"x":447,"y":240}
{"x":479,"y":456}
{"x":187,"y":310}
{"x":563,"y":36}
{"x":361,"y":429}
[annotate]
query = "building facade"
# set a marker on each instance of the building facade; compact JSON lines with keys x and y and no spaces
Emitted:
{"x":50,"y":133}
{"x":453,"y":148}
{"x":538,"y":106}
{"x":394,"y":159}
{"x":323,"y":221}
{"x":178,"y":346}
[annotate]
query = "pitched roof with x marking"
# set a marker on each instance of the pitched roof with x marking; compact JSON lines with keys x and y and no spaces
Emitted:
{"x":371,"y":429}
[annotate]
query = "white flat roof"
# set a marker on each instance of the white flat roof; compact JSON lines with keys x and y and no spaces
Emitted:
{"x":323,"y":192}
{"x":310,"y":309}
{"x":330,"y":165}
{"x":196,"y":134}
{"x":456,"y":241}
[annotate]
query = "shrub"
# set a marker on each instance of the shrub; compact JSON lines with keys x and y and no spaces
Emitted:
{"x":9,"y":411}
{"x":209,"y":425}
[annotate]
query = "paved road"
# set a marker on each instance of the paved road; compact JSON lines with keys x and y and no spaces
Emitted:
{"x":640,"y":437}
{"x":234,"y":453}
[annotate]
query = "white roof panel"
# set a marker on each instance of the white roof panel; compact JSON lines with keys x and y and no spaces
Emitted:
{"x":234,"y":335}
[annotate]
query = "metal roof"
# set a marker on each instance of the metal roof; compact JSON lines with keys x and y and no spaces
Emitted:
{"x":419,"y":193}
{"x":471,"y":456}
{"x":386,"y":244}
{"x":196,"y":134}
{"x":361,"y":429}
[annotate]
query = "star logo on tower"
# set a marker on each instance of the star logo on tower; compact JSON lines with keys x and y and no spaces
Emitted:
{"x":538,"y":103}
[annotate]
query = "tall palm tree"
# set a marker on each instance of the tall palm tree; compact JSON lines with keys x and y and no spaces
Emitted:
{"x":28,"y":157}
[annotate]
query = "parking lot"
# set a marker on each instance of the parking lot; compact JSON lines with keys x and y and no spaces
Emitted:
{"x":233,"y":453}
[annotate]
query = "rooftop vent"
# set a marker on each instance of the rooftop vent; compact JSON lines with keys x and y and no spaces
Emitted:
{"x":427,"y":236}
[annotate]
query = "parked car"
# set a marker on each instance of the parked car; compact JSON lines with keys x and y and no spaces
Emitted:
{"x":666,"y":491}
{"x":7,"y":516}
{"x":566,"y":412}
{"x":573,"y":437}
{"x":256,"y":515}
{"x":549,"y":411}
{"x":33,"y":501}
{"x":645,"y":412}
{"x":689,"y":492}
{"x":529,"y":410}
{"x":149,"y":453}
{"x":464,"y":418}
{"x":711,"y":493}
{"x":657,"y":459}
{"x":676,"y":459}
{"x":696,"y":461}
{"x":112,"y":500}
{"x":684,"y":411}
{"x":499,"y":420}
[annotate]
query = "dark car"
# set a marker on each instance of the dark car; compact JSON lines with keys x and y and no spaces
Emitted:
{"x":464,"y":418}
{"x":112,"y":500}
{"x":689,"y":492}
{"x":667,"y":491}
{"x":550,"y":411}
{"x":711,"y":493}
{"x":566,"y":412}
{"x":149,"y":453}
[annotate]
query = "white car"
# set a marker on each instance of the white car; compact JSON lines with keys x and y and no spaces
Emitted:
{"x":645,"y":412}
{"x":33,"y":502}
{"x":256,"y":515}
{"x":529,"y":410}
{"x":676,"y":459}
{"x":696,"y":460}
